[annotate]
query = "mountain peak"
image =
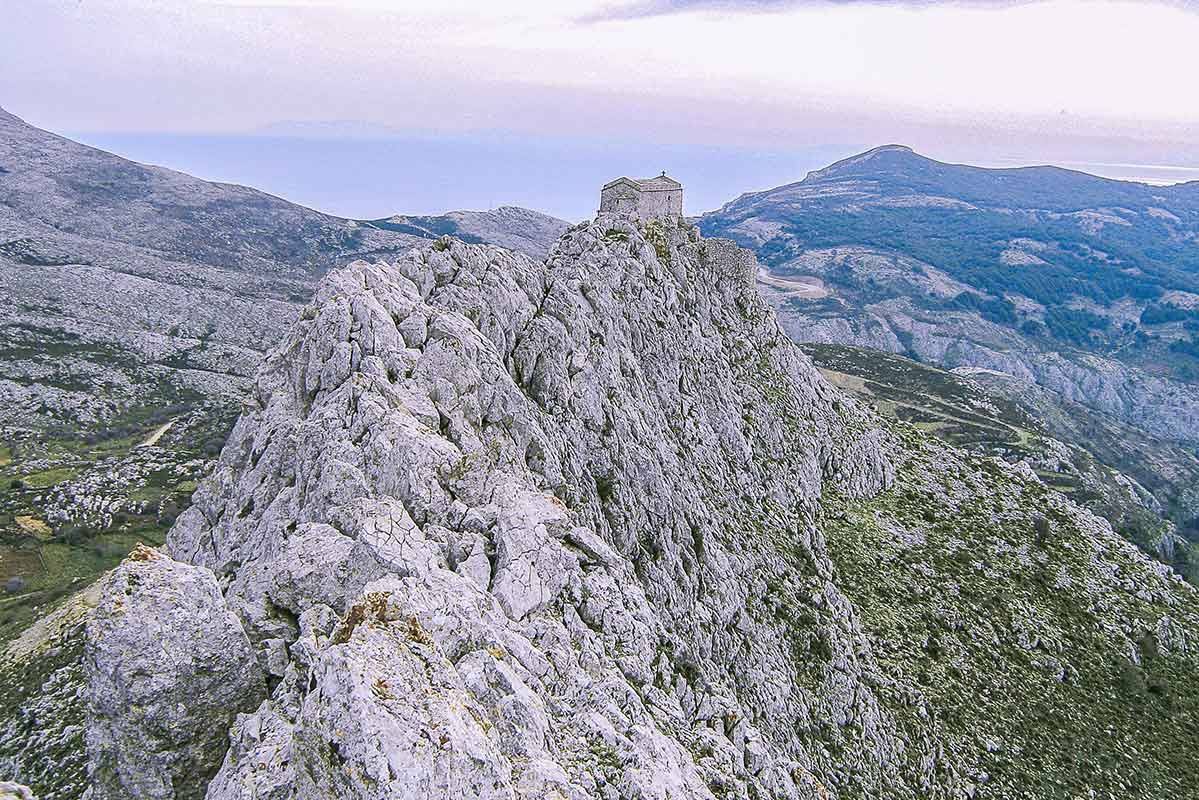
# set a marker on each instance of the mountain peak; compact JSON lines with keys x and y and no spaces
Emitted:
{"x":872,"y":157}
{"x":887,"y":148}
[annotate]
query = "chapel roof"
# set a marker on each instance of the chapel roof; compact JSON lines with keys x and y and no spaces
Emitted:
{"x":658,"y":183}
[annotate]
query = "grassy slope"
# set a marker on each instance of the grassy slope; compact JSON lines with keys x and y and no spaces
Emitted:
{"x":931,"y":399}
{"x":965,"y":414}
{"x":1047,"y":652}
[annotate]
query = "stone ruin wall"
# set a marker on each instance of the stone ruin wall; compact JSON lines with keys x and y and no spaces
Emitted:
{"x":620,"y":199}
{"x":625,"y":198}
{"x":657,"y":203}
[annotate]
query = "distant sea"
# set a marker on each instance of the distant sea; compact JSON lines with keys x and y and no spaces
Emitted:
{"x":368,"y":178}
{"x":1159,"y":174}
{"x":1154,"y":174}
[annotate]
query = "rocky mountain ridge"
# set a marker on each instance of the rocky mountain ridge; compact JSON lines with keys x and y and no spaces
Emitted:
{"x":135,"y":305}
{"x":595,"y":527}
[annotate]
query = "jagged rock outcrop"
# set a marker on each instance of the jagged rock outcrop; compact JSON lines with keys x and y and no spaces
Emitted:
{"x":526,"y":478}
{"x":168,"y":669}
{"x":594,"y":527}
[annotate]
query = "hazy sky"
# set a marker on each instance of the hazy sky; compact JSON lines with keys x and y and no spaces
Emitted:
{"x":1079,"y":81}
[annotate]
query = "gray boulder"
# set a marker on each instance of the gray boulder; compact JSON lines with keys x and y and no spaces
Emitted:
{"x":168,"y":667}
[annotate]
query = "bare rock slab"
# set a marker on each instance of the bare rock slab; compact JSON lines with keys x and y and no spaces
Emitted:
{"x":168,"y":668}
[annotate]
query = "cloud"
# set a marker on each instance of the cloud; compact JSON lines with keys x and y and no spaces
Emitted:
{"x":742,"y":76}
{"x":657,"y":8}
{"x":640,"y":9}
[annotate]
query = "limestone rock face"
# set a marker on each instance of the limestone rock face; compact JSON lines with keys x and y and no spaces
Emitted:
{"x":516,"y":485}
{"x":594,"y":527}
{"x":168,"y":669}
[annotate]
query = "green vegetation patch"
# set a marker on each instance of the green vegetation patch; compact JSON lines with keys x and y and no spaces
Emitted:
{"x":49,"y":477}
{"x":44,"y":556}
{"x":1034,"y":658}
{"x":58,"y":569}
{"x":46,"y":749}
{"x":655,"y":234}
{"x":959,"y":411}
{"x":425,"y":227}
{"x":932,"y":399}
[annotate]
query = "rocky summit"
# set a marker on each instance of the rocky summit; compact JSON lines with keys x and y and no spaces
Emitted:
{"x":594,"y":527}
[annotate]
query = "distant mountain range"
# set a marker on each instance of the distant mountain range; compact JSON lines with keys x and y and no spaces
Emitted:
{"x":1081,"y":288}
{"x":1087,"y":285}
{"x":125,"y":284}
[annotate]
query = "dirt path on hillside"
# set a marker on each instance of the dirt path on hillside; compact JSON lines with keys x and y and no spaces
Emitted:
{"x":153,"y":438}
{"x":806,"y":287}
